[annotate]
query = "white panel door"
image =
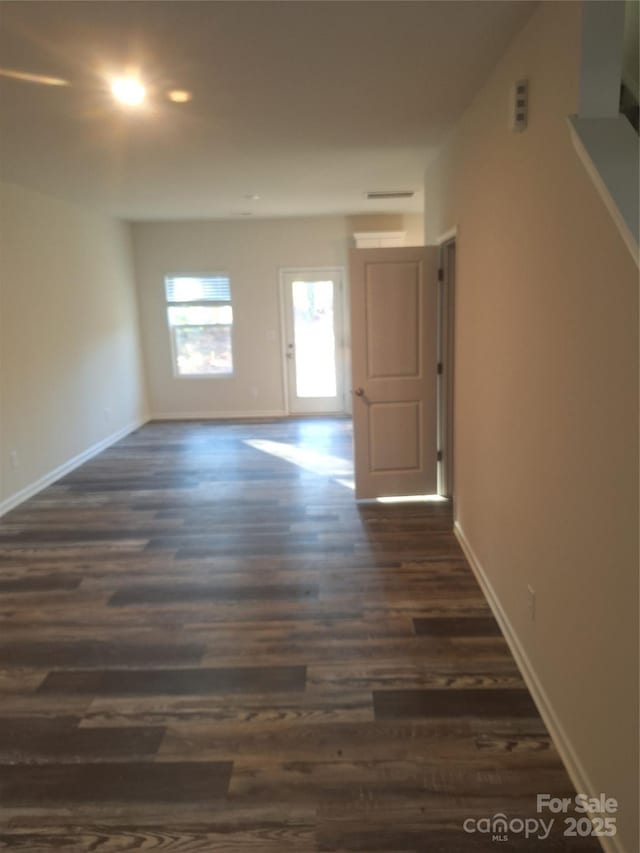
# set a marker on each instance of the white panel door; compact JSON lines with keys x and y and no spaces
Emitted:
{"x":313,"y":340}
{"x":393,"y":346}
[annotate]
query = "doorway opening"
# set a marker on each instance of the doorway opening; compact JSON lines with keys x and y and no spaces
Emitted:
{"x":313,"y":334}
{"x":445,"y":376}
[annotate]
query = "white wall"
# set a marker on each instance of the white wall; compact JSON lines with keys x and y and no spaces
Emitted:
{"x":252,"y":252}
{"x":546,"y":438}
{"x":411,"y":223}
{"x":630,"y":71}
{"x":69,"y":343}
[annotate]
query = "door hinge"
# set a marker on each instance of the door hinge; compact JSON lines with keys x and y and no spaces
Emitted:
{"x":440,"y":274}
{"x":440,"y":368}
{"x":439,"y":456}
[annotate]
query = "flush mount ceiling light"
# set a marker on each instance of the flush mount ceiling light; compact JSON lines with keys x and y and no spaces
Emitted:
{"x":27,"y":77}
{"x":374,"y":194}
{"x":128,"y":91}
{"x":179,"y":96}
{"x":251,"y":197}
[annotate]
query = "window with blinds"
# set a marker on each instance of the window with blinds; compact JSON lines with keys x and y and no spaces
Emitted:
{"x":200,"y":321}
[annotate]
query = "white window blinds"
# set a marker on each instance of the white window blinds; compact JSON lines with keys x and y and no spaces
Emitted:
{"x":213,"y":288}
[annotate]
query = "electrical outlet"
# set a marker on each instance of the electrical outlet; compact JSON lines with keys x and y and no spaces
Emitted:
{"x":13,"y":459}
{"x":253,"y":391}
{"x":107,"y":414}
{"x":532,"y":602}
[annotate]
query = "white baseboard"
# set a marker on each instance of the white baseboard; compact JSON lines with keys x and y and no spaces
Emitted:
{"x":33,"y":488}
{"x":216,"y":416}
{"x":561,"y":740}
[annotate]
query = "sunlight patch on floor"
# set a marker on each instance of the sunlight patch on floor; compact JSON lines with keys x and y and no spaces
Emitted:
{"x":348,"y":484}
{"x":325,"y":465}
{"x":341,"y":470}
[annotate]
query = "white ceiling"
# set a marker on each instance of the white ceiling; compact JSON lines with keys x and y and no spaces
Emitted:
{"x":307,"y":104}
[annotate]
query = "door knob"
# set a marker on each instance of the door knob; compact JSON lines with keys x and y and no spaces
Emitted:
{"x":359,"y":392}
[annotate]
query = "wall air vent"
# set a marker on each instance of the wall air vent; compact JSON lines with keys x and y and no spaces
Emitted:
{"x":374,"y":194}
{"x":520,"y":106}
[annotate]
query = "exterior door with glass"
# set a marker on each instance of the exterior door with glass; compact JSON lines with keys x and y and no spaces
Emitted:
{"x":313,"y":339}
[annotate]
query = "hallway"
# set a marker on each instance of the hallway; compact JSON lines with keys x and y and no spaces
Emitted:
{"x":206,"y":645}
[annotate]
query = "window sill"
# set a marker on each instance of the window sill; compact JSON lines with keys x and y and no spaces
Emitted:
{"x":212,"y":376}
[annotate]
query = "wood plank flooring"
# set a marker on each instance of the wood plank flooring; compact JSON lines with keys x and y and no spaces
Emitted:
{"x":207,"y":647}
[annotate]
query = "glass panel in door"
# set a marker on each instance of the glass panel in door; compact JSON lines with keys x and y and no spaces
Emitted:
{"x":313,"y":347}
{"x":314,"y":339}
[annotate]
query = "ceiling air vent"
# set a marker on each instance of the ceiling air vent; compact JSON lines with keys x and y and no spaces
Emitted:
{"x":374,"y":194}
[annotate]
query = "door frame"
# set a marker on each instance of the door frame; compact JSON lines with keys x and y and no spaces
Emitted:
{"x":446,"y":357}
{"x":342,"y":342}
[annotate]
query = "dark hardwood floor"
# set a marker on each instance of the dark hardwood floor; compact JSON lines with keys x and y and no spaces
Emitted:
{"x":206,"y":645}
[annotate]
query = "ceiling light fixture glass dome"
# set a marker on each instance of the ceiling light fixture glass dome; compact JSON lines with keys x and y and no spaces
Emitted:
{"x":128,"y":91}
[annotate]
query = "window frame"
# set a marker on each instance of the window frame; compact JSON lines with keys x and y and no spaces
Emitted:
{"x":203,"y":303}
